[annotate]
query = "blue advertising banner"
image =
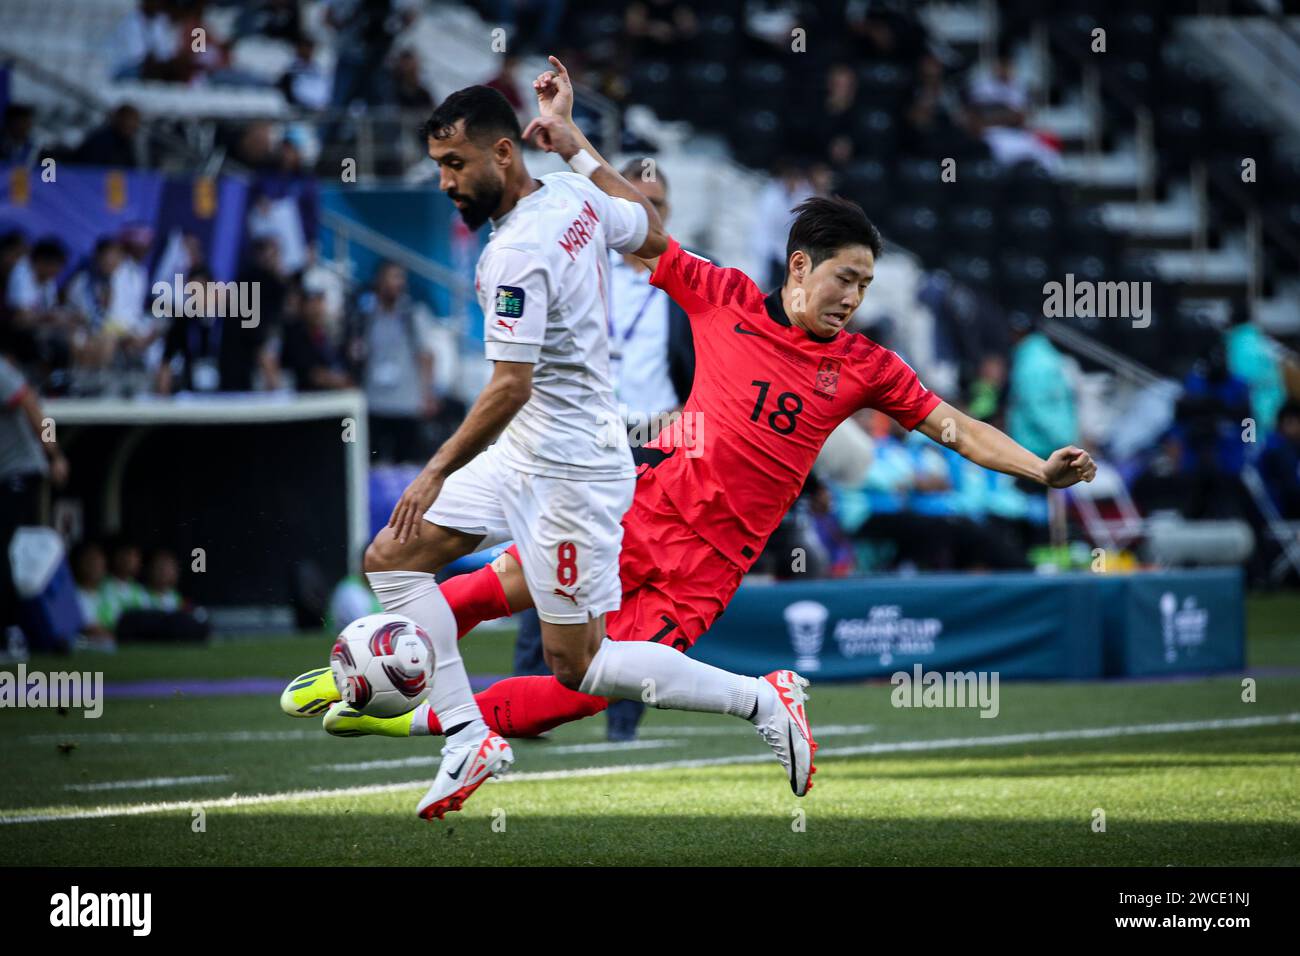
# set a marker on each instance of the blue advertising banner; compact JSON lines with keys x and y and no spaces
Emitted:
{"x":1181,"y":622}
{"x":1026,"y":626}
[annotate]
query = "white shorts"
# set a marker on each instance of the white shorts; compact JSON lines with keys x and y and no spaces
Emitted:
{"x":569,"y":533}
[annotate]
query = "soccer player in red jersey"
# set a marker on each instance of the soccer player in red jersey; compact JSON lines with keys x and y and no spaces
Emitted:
{"x":775,"y":375}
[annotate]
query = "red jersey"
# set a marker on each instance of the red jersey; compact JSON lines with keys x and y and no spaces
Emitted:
{"x":766,"y":395}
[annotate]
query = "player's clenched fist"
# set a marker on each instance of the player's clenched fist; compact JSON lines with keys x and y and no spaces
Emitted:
{"x":552,"y":134}
{"x":1068,"y":466}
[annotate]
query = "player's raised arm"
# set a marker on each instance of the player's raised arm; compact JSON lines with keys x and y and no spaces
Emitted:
{"x":555,"y":132}
{"x":991,"y":448}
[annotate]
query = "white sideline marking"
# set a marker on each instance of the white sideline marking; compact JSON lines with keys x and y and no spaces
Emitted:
{"x":901,"y":746}
{"x":314,"y":733}
{"x":197,"y":737}
{"x":430,"y":760}
{"x":147,"y":783}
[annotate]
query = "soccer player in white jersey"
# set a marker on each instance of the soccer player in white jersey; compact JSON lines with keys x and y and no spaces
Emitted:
{"x":555,"y":480}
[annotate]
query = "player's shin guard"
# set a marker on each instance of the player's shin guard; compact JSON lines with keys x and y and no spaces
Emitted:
{"x":522,"y":707}
{"x":416,"y":594}
{"x":667,"y":679}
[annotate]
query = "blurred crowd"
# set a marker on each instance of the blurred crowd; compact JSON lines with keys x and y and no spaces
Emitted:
{"x":883,"y":89}
{"x":97,"y":328}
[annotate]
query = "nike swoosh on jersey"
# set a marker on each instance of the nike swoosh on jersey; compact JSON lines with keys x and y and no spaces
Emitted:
{"x":741,"y":330}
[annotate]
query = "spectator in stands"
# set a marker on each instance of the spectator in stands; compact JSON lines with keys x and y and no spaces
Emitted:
{"x":212,"y":353}
{"x":401,"y":89}
{"x":390,"y":343}
{"x":1208,"y":423}
{"x":1041,"y":408}
{"x":122,"y":591}
{"x":1253,"y":357}
{"x":90,"y":571}
{"x":116,"y":143}
{"x":936,"y":118}
{"x":265,"y":267}
{"x":38,"y":326}
{"x":305,"y":83}
{"x":29,"y":456}
{"x":661,"y":29}
{"x":256,"y":147}
{"x":364,"y":33}
{"x":884,"y":30}
{"x":1279,"y":462}
{"x":404,"y":88}
{"x":999,"y":109}
{"x":830,"y":547}
{"x":506,"y":82}
{"x":986,"y":391}
{"x":131,"y":315}
{"x":162,"y":576}
{"x":13,"y":252}
{"x":145,"y":41}
{"x":310,"y":349}
{"x":834,"y":123}
{"x":90,"y":297}
{"x":18,"y":145}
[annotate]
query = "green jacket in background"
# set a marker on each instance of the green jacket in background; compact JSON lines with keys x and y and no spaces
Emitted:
{"x":1041,"y":410}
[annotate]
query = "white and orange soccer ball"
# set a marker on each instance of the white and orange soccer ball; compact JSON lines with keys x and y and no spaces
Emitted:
{"x":383,"y":664}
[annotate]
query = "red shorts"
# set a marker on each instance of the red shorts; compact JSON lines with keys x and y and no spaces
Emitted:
{"x":675,"y":584}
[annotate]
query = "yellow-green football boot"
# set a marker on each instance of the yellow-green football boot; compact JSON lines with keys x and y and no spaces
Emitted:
{"x":310,"y":694}
{"x":343,"y":720}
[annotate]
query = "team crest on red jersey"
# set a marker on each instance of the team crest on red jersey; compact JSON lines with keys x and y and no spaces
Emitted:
{"x":828,"y":376}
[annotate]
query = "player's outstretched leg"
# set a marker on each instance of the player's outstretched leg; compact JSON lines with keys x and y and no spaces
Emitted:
{"x":668,"y":680}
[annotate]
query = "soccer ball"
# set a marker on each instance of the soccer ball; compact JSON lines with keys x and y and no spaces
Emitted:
{"x":383,"y":664}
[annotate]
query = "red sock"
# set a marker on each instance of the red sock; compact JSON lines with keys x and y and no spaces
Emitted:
{"x":475,"y":597}
{"x":528,"y":706}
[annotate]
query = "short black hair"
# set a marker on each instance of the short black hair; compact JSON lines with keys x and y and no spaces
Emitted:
{"x":636,"y":167}
{"x":49,"y":249}
{"x":823,"y":226}
{"x":487,"y":114}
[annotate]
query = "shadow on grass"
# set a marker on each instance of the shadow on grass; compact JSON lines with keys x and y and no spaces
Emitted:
{"x":351,"y":838}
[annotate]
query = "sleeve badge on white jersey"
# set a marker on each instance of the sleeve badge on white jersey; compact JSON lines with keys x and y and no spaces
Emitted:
{"x":509,"y":301}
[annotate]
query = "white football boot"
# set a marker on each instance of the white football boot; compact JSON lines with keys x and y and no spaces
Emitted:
{"x":783,"y":724}
{"x":464,"y":768}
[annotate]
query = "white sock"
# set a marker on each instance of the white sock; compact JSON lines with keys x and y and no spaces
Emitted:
{"x":416,"y":594}
{"x":668,"y":679}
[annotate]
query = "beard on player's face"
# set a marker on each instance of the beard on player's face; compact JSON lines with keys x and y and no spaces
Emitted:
{"x":478,"y":200}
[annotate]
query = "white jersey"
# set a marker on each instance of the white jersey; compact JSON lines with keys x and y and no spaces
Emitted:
{"x":542,"y":282}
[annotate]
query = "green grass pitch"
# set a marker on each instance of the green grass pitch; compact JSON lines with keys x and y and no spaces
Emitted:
{"x":1185,"y":772}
